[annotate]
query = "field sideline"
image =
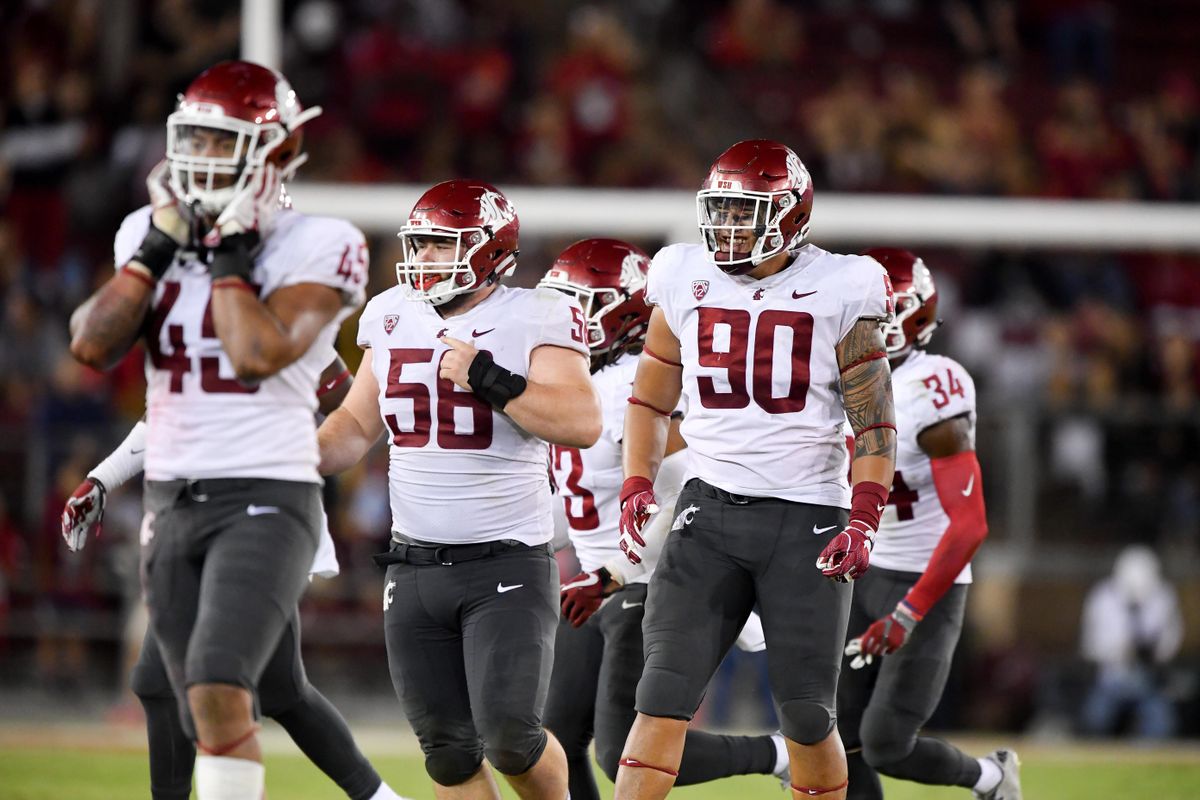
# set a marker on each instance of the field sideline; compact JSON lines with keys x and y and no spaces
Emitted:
{"x":99,"y":762}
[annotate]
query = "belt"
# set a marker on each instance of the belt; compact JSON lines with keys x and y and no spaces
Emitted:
{"x":199,"y":490}
{"x":424,"y":555}
{"x":727,"y":497}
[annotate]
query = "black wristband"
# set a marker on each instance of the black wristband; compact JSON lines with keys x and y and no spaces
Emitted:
{"x":493,"y":382}
{"x":233,"y":258}
{"x":156,"y":252}
{"x":605,"y":576}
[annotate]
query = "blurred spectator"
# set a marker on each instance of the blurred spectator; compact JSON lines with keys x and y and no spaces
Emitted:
{"x":1081,"y":152}
{"x":1131,"y":630}
{"x":985,"y":30}
{"x":1079,"y":38}
{"x":42,"y":136}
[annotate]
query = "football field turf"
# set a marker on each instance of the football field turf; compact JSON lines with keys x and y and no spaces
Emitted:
{"x":50,"y":763}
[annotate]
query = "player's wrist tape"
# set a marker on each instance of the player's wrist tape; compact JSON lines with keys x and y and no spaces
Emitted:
{"x":634,"y":484}
{"x":908,"y":615}
{"x":233,"y":258}
{"x":156,"y":252}
{"x":493,"y":382}
{"x":867,"y":501}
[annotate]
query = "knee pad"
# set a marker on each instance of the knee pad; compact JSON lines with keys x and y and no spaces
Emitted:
{"x":150,"y":682}
{"x":516,"y":754}
{"x":451,"y":765}
{"x":886,"y":740}
{"x":805,"y":722}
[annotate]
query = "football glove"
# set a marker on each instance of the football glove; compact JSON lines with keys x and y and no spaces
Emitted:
{"x":637,"y":505}
{"x":250,"y":213}
{"x":166,"y":214}
{"x":883,"y":636}
{"x":848,"y":554}
{"x":582,"y":595}
{"x":83,"y":513}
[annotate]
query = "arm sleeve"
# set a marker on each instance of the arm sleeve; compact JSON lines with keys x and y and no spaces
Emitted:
{"x":964,"y":534}
{"x":868,"y":294}
{"x":124,"y":462}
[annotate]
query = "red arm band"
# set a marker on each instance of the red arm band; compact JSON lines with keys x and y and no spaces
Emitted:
{"x":867,"y":501}
{"x":960,"y":489}
{"x":139,"y":273}
{"x":657,"y":357}
{"x":633,"y":401}
{"x":863,"y":360}
{"x":333,"y":384}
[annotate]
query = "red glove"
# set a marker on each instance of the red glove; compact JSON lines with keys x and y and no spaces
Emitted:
{"x":637,"y":504}
{"x":848,"y":554}
{"x":883,"y":636}
{"x":582,"y":595}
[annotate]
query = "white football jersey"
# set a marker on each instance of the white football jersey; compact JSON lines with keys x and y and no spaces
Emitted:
{"x":760,"y":371}
{"x":203,"y":422}
{"x":928,"y":389}
{"x":459,"y":471}
{"x":589,"y":481}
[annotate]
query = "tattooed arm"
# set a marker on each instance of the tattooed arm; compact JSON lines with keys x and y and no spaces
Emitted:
{"x":867,"y":394}
{"x":108,"y":323}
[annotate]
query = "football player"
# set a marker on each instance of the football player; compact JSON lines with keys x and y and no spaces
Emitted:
{"x":910,"y":607}
{"x":239,"y":300}
{"x":284,"y":692}
{"x":469,"y":380}
{"x":598,"y":650}
{"x":773,"y":342}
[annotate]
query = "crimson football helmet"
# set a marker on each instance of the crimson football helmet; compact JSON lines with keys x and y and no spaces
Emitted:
{"x":755,"y":203}
{"x":483,"y":227}
{"x":608,"y":277}
{"x":234,"y":118}
{"x":916,"y":300}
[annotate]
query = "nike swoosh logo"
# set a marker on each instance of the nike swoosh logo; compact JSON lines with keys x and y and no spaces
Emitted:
{"x":627,"y":604}
{"x":880,"y":508}
{"x":257,"y":511}
{"x":970,"y":487}
{"x":135,"y":452}
{"x":476,"y":334}
{"x":591,"y":580}
{"x":501,"y":588}
{"x":798,"y":295}
{"x":819,"y":531}
{"x":330,"y":385}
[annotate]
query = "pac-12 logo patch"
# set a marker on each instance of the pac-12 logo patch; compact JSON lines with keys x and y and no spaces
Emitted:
{"x":699,"y":289}
{"x":390,"y":322}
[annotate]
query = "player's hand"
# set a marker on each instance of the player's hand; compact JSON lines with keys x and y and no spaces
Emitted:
{"x":166,"y":213}
{"x":848,"y":554}
{"x":250,"y":213}
{"x":581,"y":596}
{"x":457,"y":361}
{"x":883,"y":636}
{"x":637,"y":505}
{"x":83,"y":513}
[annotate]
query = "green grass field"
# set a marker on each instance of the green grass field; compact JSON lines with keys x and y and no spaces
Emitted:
{"x":101,"y":764}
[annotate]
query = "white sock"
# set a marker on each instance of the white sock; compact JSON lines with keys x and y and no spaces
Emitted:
{"x":225,"y":778}
{"x":989,"y":775}
{"x":781,"y":753}
{"x":385,"y":792}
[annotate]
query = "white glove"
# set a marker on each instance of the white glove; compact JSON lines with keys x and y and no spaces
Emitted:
{"x":166,"y":214}
{"x":83,"y":513}
{"x":252,"y":210}
{"x":860,"y":660}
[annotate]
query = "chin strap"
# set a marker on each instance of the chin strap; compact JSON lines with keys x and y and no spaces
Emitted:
{"x":806,"y":791}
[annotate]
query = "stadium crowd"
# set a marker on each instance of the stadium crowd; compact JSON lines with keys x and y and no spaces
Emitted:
{"x":1055,"y":98}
